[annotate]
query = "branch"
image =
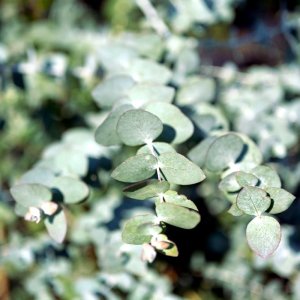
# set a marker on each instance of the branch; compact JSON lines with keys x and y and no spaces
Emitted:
{"x":153,"y":18}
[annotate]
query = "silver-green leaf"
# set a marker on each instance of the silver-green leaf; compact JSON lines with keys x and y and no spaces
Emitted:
{"x":31,"y":194}
{"x":106,"y":134}
{"x":177,"y":127}
{"x":108,"y":92}
{"x":224,"y":152}
{"x":137,"y":127}
{"x":263,"y":235}
{"x":73,"y":190}
{"x":281,"y":199}
{"x":179,"y":170}
{"x":253,"y":201}
{"x":146,"y":189}
{"x":57,"y":226}
{"x":138,"y":231}
{"x":267,"y":176}
{"x":136,"y":168}
{"x":178,"y":216}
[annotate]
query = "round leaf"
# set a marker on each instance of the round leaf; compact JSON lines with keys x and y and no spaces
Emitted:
{"x":136,"y":168}
{"x":267,"y":176}
{"x":136,"y":230}
{"x":245,"y":179}
{"x":137,"y":127}
{"x":196,"y":89}
{"x":143,"y":93}
{"x":179,"y":170}
{"x":43,"y":176}
{"x":281,"y":199}
{"x":235,"y":211}
{"x":144,"y":70}
{"x":181,"y":200}
{"x":198,"y":153}
{"x":223,"y":152}
{"x":253,"y":201}
{"x":146,"y":189}
{"x":229,"y":183}
{"x":106,"y":134}
{"x":176,"y":215}
{"x":31,"y":194}
{"x":263,"y":235}
{"x":57,"y":226}
{"x":177,"y":127}
{"x":108,"y":92}
{"x":73,"y":190}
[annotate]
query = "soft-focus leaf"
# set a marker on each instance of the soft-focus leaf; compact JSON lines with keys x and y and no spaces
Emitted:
{"x":106,"y":134}
{"x":72,"y":190}
{"x":177,"y":127}
{"x":198,"y":153}
{"x":267,"y":177}
{"x":196,"y":89}
{"x":144,"y":70}
{"x":57,"y":226}
{"x":108,"y":92}
{"x":235,"y":211}
{"x":281,"y":199}
{"x":144,"y":93}
{"x":229,"y":183}
{"x":263,"y":235}
{"x":224,"y":152}
{"x":31,"y":194}
{"x":42,"y":176}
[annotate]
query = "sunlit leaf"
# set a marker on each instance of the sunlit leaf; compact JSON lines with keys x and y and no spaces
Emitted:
{"x":179,"y":170}
{"x":106,"y":134}
{"x":137,"y":127}
{"x":224,"y":152}
{"x":177,"y":127}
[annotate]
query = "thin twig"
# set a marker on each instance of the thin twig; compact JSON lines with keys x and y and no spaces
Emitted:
{"x":154,"y":19}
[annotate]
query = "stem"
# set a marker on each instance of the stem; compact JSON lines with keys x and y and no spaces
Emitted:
{"x":154,"y":19}
{"x":150,"y":146}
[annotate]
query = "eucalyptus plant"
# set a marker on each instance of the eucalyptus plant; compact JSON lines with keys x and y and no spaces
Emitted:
{"x":145,"y":138}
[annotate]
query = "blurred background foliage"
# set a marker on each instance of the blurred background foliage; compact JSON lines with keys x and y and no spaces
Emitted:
{"x":247,"y":58}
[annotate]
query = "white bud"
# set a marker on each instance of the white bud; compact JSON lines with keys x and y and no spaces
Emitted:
{"x":148,"y":253}
{"x":33,"y":214}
